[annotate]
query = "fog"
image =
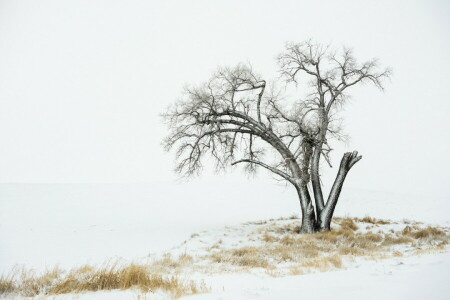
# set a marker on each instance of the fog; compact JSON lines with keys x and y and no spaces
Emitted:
{"x":82,"y":84}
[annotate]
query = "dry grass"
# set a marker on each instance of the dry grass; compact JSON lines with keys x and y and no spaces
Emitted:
{"x":7,"y":284}
{"x":269,"y":238}
{"x":351,"y":251}
{"x":323,"y":263}
{"x":110,"y":276}
{"x":245,"y":257}
{"x":390,"y":240}
{"x":302,"y":253}
{"x":373,"y":221}
{"x":428,"y":232}
{"x":348,"y":224}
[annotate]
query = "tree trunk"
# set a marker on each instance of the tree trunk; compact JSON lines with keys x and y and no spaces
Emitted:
{"x":309,"y":223}
{"x":315,"y":179}
{"x":347,"y":162}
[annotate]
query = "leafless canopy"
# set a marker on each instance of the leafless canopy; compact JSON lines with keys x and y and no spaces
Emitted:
{"x":237,"y":117}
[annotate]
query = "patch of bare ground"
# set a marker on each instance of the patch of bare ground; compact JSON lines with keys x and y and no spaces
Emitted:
{"x":273,"y":247}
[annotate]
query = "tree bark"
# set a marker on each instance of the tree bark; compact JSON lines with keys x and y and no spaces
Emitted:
{"x":315,"y":180}
{"x":309,"y":222}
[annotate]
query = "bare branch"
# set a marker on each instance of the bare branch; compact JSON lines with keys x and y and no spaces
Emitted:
{"x":272,"y":169}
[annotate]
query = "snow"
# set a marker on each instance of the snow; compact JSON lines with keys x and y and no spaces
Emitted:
{"x":418,"y":277}
{"x":42,"y":225}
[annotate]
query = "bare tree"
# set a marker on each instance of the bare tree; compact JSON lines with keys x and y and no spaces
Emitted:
{"x":239,"y":118}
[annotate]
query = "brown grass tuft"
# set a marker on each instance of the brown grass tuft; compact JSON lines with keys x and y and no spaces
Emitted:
{"x":269,"y":238}
{"x":373,"y":221}
{"x":7,"y":284}
{"x":349,"y":224}
{"x":351,"y":251}
{"x":427,"y":232}
{"x":397,"y":254}
{"x":395,"y":240}
{"x":324,"y":263}
{"x":296,"y":270}
{"x":287,"y":240}
{"x":244,"y":257}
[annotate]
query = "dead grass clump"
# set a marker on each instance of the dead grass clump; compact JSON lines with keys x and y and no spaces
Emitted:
{"x":32,"y":284}
{"x":397,"y":254}
{"x":349,"y":224}
{"x":7,"y":284}
{"x":327,"y":236}
{"x":390,"y":240}
{"x":107,"y":277}
{"x":294,"y":253}
{"x":309,"y":253}
{"x":244,"y":251}
{"x":311,"y":249}
{"x":185,"y":259}
{"x":287,"y":240}
{"x":286,"y":254}
{"x":324,"y":263}
{"x":252,"y":262}
{"x":351,"y":251}
{"x":335,"y":261}
{"x":428,"y":232}
{"x":269,"y":238}
{"x":296,"y":270}
{"x":168,"y":262}
{"x":363,"y":243}
{"x":261,"y":222}
{"x":371,"y":220}
{"x":244,"y":257}
{"x":373,"y":237}
{"x":334,"y":236}
{"x":409,"y":229}
{"x":248,"y":257}
{"x":344,"y":234}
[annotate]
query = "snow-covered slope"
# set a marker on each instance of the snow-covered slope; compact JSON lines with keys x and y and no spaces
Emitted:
{"x":418,"y":277}
{"x":42,"y":225}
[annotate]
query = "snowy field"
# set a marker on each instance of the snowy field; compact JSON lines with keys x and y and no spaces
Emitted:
{"x":89,"y":200}
{"x":422,"y":277}
{"x":42,"y":225}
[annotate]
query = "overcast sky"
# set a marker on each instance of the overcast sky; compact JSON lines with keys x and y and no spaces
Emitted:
{"x":82,"y":83}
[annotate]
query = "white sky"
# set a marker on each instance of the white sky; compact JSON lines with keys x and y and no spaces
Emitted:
{"x":82,"y":83}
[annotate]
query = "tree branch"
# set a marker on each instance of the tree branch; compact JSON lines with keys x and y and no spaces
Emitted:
{"x":272,"y":169}
{"x":349,"y":159}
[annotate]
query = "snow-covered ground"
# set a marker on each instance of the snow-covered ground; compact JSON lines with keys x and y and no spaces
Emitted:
{"x":418,"y":277}
{"x":42,"y":225}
